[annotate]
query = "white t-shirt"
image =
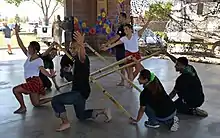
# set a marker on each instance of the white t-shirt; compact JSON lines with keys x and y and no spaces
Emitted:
{"x":132,"y":44}
{"x":31,"y":68}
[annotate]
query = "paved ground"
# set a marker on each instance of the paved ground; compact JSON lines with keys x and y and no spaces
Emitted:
{"x":40,"y":123}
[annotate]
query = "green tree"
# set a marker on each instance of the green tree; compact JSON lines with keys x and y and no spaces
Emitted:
{"x":45,"y":6}
{"x":159,"y":10}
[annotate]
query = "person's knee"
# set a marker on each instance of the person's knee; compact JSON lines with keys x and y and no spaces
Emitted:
{"x":16,"y":90}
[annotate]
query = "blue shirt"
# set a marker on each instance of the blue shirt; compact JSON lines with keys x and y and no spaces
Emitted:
{"x":7,"y":32}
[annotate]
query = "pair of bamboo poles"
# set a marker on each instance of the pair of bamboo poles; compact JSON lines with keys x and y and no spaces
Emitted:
{"x":115,"y":69}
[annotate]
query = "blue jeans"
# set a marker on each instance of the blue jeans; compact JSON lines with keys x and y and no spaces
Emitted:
{"x":152,"y":117}
{"x":71,"y":98}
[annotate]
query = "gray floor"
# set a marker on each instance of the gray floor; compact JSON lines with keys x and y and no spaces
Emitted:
{"x":40,"y":123}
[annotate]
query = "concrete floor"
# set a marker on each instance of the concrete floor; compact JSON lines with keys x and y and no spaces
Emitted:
{"x":41,"y":123}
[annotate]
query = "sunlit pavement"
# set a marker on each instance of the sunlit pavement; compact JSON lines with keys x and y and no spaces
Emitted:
{"x":41,"y":123}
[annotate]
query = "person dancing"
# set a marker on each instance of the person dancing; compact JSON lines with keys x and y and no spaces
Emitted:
{"x":119,"y":49}
{"x":131,"y":46}
{"x":47,"y":58}
{"x":32,"y":67}
{"x":155,"y":103}
{"x":80,"y":88}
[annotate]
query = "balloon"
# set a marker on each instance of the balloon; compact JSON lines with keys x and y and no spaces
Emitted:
{"x":100,"y":23}
{"x":108,"y":30}
{"x":99,"y":18}
{"x":75,"y":20}
{"x":80,"y":22}
{"x":103,"y":14}
{"x":84,"y":25}
{"x":120,"y":1}
{"x":92,"y":31}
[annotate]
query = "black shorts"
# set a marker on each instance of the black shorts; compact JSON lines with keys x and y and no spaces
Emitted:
{"x":120,"y":54}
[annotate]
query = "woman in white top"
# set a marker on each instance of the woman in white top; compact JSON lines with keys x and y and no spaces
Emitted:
{"x":32,"y":67}
{"x":131,"y":46}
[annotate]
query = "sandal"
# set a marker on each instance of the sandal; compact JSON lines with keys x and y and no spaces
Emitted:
{"x":20,"y":111}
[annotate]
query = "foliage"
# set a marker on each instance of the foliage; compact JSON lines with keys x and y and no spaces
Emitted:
{"x":45,"y":5}
{"x":159,"y":10}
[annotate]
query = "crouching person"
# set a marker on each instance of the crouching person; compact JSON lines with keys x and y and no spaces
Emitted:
{"x":80,"y":88}
{"x":155,"y":103}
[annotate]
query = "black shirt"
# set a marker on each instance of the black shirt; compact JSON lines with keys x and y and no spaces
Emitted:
{"x":65,"y":62}
{"x":160,"y":102}
{"x":48,"y":62}
{"x":121,"y":33}
{"x":81,"y":75}
{"x":189,"y":87}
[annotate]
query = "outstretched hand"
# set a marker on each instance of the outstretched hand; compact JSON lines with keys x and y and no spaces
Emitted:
{"x":52,"y":74}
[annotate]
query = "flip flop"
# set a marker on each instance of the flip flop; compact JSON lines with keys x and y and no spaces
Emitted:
{"x":20,"y":111}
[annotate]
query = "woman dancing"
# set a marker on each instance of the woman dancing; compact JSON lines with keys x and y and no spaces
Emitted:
{"x":131,"y":47}
{"x":32,"y":67}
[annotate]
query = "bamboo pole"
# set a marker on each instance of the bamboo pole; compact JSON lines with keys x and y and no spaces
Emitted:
{"x":107,"y":94}
{"x":125,"y":66}
{"x":109,"y":66}
{"x":105,"y":61}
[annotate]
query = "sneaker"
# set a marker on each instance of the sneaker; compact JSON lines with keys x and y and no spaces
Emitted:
{"x":107,"y":113}
{"x":175,"y":125}
{"x":151,"y":124}
{"x":200,"y":112}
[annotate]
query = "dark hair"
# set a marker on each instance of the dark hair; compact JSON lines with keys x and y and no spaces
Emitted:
{"x":183,"y":60}
{"x":155,"y":86}
{"x":145,"y":74}
{"x":129,"y":26}
{"x":35,"y":45}
{"x":123,"y":15}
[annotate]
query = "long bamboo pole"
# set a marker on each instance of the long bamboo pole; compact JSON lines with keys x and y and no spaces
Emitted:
{"x":107,"y":94}
{"x":105,"y":61}
{"x":125,"y":66}
{"x":109,"y":66}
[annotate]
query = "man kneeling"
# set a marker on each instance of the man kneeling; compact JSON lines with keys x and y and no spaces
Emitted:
{"x":188,"y":87}
{"x":155,"y":103}
{"x":80,"y":88}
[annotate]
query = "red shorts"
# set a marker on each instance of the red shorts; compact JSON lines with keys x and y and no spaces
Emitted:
{"x":34,"y":85}
{"x":137,"y":55}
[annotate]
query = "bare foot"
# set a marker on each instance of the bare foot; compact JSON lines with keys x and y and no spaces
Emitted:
{"x":63,"y":127}
{"x":120,"y":83}
{"x":108,"y":115}
{"x":21,"y":110}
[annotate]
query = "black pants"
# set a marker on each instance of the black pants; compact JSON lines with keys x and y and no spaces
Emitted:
{"x":67,"y":75}
{"x":184,"y":108}
{"x":46,"y":82}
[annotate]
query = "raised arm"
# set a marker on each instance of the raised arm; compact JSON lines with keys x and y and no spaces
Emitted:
{"x":20,"y":43}
{"x":80,"y":40}
{"x":49,"y":49}
{"x":171,"y":57}
{"x":140,"y":32}
{"x":112,"y":40}
{"x":111,"y":46}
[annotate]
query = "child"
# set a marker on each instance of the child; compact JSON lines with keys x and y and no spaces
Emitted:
{"x":155,"y":103}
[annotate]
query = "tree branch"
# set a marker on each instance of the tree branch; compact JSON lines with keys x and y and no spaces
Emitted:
{"x":56,"y":7}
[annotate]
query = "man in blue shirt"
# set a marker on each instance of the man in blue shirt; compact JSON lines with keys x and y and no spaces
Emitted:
{"x":7,"y":34}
